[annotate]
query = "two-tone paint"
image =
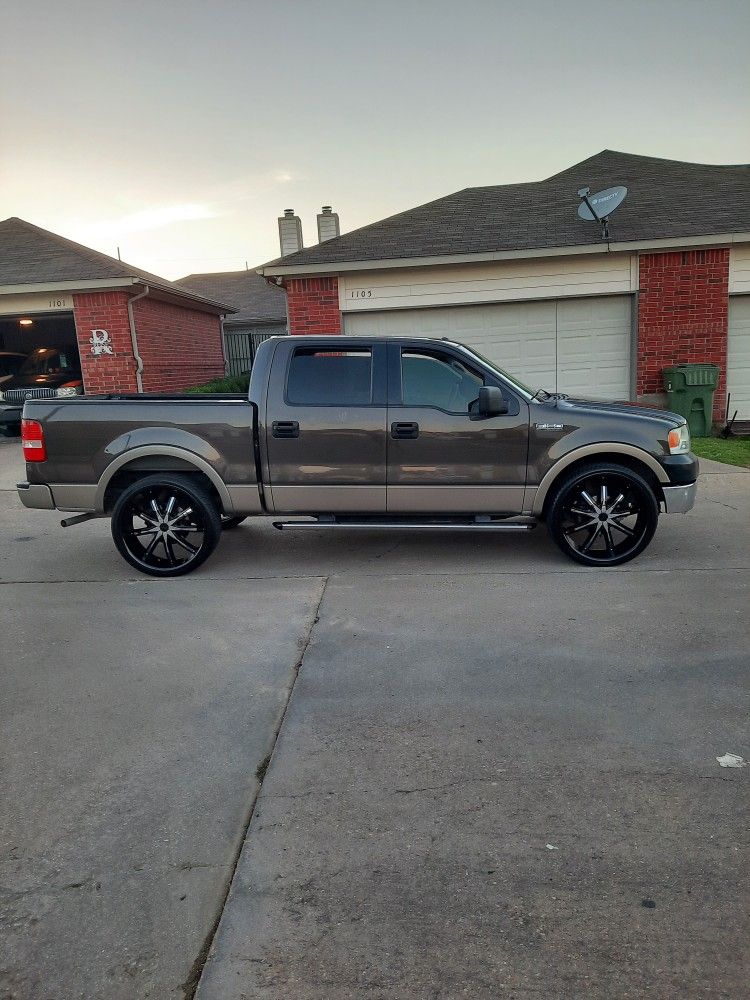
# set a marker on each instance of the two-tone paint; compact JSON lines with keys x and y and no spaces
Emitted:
{"x":345,"y":459}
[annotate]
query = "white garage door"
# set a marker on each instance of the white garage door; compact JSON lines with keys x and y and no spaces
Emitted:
{"x":578,"y":346}
{"x":738,"y":356}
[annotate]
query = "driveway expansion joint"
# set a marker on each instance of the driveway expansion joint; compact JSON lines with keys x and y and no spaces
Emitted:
{"x":191,"y":984}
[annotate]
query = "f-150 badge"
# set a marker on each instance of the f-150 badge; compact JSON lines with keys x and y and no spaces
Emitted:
{"x":549,"y":427}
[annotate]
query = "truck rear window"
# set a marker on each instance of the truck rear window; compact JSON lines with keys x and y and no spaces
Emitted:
{"x":330,"y":378}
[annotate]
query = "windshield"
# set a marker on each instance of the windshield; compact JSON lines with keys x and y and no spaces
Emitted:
{"x":47,"y":361}
{"x":510,"y":378}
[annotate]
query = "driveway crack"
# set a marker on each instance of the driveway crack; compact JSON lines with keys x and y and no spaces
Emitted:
{"x":190,"y":986}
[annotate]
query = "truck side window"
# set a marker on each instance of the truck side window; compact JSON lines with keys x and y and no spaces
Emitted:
{"x":439,"y":380}
{"x":330,"y":378}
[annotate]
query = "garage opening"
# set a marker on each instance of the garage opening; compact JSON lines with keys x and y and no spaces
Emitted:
{"x":40,"y":349}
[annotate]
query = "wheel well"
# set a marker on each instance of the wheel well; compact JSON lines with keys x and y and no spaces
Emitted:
{"x":140,"y":468}
{"x":617,"y":459}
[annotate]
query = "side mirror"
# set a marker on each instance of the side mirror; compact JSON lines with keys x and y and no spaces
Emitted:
{"x":491,"y":401}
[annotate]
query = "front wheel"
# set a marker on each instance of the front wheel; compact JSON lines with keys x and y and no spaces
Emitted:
{"x":603,"y":515}
{"x":166,"y":525}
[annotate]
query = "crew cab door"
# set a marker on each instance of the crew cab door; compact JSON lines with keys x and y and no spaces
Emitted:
{"x":443,"y":457}
{"x":326,"y":427}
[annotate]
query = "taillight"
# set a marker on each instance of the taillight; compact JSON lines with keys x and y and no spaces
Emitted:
{"x":32,"y":440}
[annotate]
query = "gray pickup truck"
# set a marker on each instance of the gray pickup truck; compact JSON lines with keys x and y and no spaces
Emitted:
{"x":381,"y":433}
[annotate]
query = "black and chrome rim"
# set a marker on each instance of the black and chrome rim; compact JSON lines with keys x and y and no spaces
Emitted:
{"x":162,"y":528}
{"x":604,"y":517}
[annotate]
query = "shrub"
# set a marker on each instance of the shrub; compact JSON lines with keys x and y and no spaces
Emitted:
{"x":232,"y":383}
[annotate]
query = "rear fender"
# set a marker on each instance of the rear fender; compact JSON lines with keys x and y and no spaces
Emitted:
{"x":198,"y":462}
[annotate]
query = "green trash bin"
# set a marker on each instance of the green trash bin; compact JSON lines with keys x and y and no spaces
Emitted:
{"x":690,"y":389}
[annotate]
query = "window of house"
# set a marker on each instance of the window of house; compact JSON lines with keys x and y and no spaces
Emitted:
{"x":330,"y":378}
{"x":441,"y":380}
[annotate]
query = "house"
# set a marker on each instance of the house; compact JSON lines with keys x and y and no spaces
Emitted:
{"x":260,"y":311}
{"x":134,"y":331}
{"x":513,"y":271}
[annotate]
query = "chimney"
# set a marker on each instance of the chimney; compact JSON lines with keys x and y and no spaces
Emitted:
{"x":290,"y":232}
{"x":328,"y":224}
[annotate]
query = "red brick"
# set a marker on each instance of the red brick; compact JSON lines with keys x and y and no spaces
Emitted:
{"x":683,"y":308}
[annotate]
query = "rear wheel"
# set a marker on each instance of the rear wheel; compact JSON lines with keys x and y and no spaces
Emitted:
{"x":603,"y":515}
{"x":166,"y":525}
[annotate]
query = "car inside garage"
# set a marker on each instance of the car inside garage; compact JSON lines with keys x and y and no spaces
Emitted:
{"x":580,"y":346}
{"x":39,"y":356}
{"x":25,"y":333}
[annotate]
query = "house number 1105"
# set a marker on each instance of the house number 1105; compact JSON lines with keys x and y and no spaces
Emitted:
{"x":361,"y":293}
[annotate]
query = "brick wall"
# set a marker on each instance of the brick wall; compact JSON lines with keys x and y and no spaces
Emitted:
{"x":313,"y":305}
{"x":683,"y":310}
{"x":105,"y":311}
{"x":180,"y":347}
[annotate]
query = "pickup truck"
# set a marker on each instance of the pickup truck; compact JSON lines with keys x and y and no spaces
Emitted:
{"x":342,"y":433}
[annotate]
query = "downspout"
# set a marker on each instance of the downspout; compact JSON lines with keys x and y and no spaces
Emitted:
{"x":134,"y":338}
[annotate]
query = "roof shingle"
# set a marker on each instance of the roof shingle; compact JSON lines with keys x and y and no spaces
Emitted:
{"x":31,"y":255}
{"x":255,"y":301}
{"x":666,"y":199}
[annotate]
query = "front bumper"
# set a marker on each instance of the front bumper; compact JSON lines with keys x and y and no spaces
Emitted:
{"x":679,"y":499}
{"x":682,"y":469}
{"x":36,"y":496}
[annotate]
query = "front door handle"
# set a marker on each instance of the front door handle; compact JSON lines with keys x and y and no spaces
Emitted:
{"x":285,"y":429}
{"x":404,"y":430}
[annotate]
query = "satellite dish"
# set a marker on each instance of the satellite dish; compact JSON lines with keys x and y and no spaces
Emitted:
{"x":598,"y":207}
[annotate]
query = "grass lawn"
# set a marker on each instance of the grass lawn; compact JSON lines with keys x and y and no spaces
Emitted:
{"x":733,"y":451}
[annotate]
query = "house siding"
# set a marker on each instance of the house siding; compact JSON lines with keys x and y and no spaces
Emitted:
{"x":507,"y":281}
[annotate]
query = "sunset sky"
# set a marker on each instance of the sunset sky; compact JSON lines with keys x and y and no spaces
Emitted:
{"x":179,"y":130}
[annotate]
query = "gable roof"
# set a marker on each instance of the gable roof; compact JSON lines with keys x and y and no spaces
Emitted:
{"x":30,"y":255}
{"x":666,"y":199}
{"x":255,"y":301}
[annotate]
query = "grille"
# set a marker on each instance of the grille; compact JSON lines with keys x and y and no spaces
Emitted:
{"x":21,"y":395}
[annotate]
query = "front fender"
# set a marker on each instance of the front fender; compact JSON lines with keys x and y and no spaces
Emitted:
{"x":601,"y":451}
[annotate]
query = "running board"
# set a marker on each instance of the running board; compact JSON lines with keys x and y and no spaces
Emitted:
{"x":407,"y":525}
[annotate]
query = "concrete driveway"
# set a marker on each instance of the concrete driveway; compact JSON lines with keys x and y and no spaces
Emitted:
{"x":496,"y":774}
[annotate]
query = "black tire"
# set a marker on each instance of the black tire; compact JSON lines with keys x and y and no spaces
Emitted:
{"x":176,"y":516}
{"x":603,"y":514}
{"x":228,"y":523}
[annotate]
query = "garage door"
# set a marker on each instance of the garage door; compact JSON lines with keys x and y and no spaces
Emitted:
{"x":578,"y":346}
{"x":738,"y":356}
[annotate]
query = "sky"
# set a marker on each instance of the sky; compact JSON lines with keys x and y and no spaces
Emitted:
{"x":179,"y":130}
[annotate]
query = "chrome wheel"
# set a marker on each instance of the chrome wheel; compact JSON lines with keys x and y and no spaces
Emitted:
{"x":604,"y":516}
{"x":165,"y":527}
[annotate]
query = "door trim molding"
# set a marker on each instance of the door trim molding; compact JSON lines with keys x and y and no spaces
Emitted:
{"x":450,"y":499}
{"x":328,"y":499}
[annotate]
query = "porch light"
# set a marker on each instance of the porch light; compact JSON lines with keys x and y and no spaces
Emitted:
{"x":26,"y":322}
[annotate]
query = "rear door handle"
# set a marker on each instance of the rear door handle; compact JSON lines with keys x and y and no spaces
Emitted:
{"x":285,"y":429}
{"x":404,"y":430}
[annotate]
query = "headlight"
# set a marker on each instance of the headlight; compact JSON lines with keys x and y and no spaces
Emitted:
{"x":69,"y":390}
{"x":679,"y":440}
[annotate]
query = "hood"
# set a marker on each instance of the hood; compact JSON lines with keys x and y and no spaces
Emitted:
{"x":620,"y":409}
{"x":51,"y":381}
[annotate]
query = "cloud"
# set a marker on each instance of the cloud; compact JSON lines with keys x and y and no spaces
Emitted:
{"x":156,"y":217}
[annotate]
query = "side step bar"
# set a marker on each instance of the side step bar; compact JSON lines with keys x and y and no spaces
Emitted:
{"x":474,"y":525}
